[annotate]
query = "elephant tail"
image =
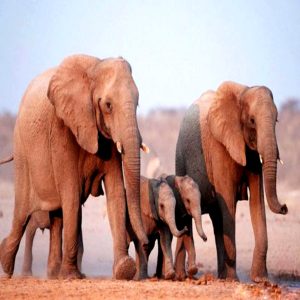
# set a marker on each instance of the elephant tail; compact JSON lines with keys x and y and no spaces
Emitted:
{"x":6,"y":160}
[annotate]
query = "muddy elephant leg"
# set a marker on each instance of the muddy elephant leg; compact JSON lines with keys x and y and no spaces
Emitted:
{"x":190,"y":249}
{"x":217,"y":221}
{"x":27,"y":262}
{"x":228,"y":207}
{"x":258,"y":217}
{"x":124,"y":266}
{"x":165,"y":243}
{"x":141,"y":262}
{"x":180,"y":259}
{"x":55,"y":244}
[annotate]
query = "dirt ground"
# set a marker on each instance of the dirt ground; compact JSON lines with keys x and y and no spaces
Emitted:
{"x":283,"y":260}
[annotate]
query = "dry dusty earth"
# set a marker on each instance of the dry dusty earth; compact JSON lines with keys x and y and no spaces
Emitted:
{"x":283,"y":261}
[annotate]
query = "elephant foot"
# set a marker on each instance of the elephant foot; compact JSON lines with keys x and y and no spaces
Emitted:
{"x":170,"y":275}
{"x":180,"y":276}
{"x":141,"y":276}
{"x":259,"y":277}
{"x":68,"y":272}
{"x":192,"y":270}
{"x":125,"y":268}
{"x":26,"y":273}
{"x":259,"y":273}
{"x":53,"y":272}
{"x":6,"y":260}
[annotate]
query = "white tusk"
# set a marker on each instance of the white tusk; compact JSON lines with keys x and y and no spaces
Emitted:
{"x":119,"y":147}
{"x":281,"y":161}
{"x":145,"y":148}
{"x":260,"y":158}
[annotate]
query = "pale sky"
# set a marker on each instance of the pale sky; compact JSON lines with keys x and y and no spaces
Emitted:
{"x":177,"y":49}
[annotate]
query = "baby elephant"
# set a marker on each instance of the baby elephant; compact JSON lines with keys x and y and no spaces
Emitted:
{"x":158,"y":217}
{"x":41,"y":219}
{"x":188,"y":207}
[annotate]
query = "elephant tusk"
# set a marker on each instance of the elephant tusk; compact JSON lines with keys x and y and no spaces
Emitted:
{"x":145,"y":148}
{"x":281,"y":161}
{"x":261,"y":159}
{"x":119,"y":147}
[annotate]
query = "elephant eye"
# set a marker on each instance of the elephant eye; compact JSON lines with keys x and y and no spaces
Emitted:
{"x":252,"y":121}
{"x":108,"y":106}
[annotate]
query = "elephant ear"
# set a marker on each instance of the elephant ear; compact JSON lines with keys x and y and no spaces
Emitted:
{"x":69,"y":91}
{"x":224,"y":120}
{"x":153,"y":198}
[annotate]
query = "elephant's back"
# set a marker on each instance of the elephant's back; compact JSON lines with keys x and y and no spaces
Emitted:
{"x":190,"y":146}
{"x":35,"y":114}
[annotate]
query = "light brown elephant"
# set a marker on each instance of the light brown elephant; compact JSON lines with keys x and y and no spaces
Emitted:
{"x":221,"y":139}
{"x":158,"y":217}
{"x":41,"y":220}
{"x":73,"y":121}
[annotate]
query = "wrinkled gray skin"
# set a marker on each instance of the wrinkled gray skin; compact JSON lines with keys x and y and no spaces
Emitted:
{"x":188,"y":207}
{"x":73,"y":121}
{"x":158,"y":217}
{"x":41,"y":220}
{"x":221,"y":138}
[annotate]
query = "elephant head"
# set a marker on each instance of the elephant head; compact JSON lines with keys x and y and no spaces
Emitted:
{"x":97,"y":99}
{"x":244,"y":118}
{"x":165,"y":203}
{"x":191,"y":198}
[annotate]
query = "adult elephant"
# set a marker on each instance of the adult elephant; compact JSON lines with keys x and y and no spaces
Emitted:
{"x":73,"y":122}
{"x":221,"y":139}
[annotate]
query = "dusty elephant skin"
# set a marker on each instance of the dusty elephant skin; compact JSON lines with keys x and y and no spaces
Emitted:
{"x":158,"y":218}
{"x":71,"y":121}
{"x":188,"y":206}
{"x":221,"y":139}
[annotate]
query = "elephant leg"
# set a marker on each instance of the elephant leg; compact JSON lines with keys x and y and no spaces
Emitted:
{"x":217,"y":221}
{"x":124,"y":266}
{"x":80,"y":250}
{"x":71,"y":209}
{"x":160,"y":262}
{"x":165,"y":244}
{"x":27,"y":262}
{"x":258,"y":217}
{"x":228,"y":207}
{"x":55,"y":245}
{"x":10,"y":245}
{"x":190,"y":248}
{"x":180,"y":259}
{"x":141,"y":262}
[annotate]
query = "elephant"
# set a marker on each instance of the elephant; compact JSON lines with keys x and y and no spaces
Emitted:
{"x":158,"y":217}
{"x":41,"y":219}
{"x":227,"y":143}
{"x":76,"y":128}
{"x":188,"y":207}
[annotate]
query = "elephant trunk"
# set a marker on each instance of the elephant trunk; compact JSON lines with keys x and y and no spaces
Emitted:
{"x":131,"y":167}
{"x":196,"y":214}
{"x":170,"y":220}
{"x":270,"y":155}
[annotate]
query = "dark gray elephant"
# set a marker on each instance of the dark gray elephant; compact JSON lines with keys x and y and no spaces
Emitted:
{"x":158,"y":217}
{"x":188,"y":207}
{"x":221,"y":139}
{"x":73,"y":121}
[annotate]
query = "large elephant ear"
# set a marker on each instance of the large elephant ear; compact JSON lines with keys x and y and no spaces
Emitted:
{"x":224,"y":120}
{"x":69,"y":91}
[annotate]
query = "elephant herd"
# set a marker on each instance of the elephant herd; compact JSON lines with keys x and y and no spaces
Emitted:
{"x":76,"y":134}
